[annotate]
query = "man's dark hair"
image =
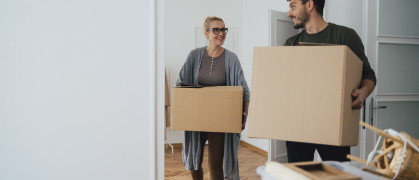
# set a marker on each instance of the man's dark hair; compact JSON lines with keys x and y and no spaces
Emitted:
{"x":318,"y":5}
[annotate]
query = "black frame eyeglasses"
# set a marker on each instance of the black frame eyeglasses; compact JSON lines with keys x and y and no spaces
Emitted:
{"x":217,"y":31}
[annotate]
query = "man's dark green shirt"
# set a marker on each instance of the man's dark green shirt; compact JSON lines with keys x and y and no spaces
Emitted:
{"x":336,"y":34}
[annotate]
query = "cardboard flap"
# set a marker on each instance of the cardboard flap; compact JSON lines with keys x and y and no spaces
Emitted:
{"x":183,"y":85}
{"x":316,"y":44}
{"x":166,"y":89}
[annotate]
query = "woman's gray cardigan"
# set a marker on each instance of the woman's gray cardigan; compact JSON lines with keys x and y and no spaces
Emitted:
{"x":191,"y":145}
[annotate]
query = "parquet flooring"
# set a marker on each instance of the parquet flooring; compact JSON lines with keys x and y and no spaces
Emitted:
{"x":249,"y":160}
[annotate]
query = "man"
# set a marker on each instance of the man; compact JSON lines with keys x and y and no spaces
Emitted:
{"x":308,"y":14}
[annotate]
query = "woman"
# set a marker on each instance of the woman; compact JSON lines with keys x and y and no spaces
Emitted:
{"x":213,"y":66}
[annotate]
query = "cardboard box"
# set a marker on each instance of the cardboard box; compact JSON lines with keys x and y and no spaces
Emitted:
{"x":210,"y":109}
{"x":321,"y":171}
{"x":303,"y":93}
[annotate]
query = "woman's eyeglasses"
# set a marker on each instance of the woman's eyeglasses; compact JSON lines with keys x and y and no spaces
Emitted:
{"x":218,"y":30}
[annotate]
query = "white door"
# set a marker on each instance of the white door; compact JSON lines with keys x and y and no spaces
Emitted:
{"x":281,"y":29}
{"x":393,"y":50}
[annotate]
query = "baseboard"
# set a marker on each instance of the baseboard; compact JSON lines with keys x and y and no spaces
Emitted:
{"x":175,"y":145}
{"x":254,"y":148}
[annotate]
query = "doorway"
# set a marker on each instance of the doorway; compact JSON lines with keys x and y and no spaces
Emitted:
{"x":281,"y":29}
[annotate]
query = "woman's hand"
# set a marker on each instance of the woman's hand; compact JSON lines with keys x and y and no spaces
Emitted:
{"x":244,"y":118}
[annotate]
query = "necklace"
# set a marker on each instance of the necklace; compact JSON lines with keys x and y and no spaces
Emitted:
{"x":213,"y":58}
{"x":212,"y":63}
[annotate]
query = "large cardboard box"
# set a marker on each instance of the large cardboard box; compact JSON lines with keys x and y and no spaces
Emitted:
{"x":303,"y":93}
{"x":210,"y":109}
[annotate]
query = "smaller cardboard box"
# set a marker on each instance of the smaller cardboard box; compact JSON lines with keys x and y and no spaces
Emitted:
{"x":303,"y":93}
{"x":320,"y":171}
{"x":209,"y":109}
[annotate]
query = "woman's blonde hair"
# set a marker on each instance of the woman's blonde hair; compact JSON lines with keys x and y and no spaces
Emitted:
{"x":207,"y":22}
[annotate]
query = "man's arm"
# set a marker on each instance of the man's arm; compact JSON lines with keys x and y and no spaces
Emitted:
{"x":369,"y":80}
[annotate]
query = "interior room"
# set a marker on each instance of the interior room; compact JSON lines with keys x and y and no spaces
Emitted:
{"x":83,"y":83}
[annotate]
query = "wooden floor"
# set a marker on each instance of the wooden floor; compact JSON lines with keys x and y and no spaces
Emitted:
{"x":249,"y":160}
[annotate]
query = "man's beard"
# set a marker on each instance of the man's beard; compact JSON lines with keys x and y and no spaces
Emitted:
{"x":303,"y":19}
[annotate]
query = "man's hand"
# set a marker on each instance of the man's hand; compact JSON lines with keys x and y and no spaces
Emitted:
{"x":359,"y":95}
{"x":358,"y":98}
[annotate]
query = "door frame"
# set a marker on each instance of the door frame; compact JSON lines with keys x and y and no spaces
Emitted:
{"x":159,"y":39}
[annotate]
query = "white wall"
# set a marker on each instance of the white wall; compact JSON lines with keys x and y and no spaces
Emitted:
{"x":77,"y":89}
{"x":348,"y":13}
{"x":182,"y":16}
